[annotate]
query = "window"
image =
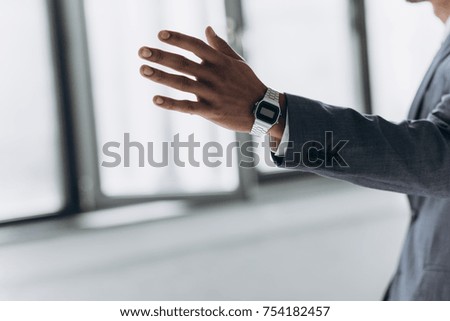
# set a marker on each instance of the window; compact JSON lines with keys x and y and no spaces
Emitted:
{"x":123,"y":99}
{"x":316,"y":49}
{"x":30,"y":166}
{"x":303,"y":47}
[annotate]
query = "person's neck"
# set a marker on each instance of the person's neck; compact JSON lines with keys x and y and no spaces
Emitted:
{"x":441,"y":9}
{"x":443,"y":17}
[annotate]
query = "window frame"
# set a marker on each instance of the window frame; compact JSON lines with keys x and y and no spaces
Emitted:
{"x":65,"y":140}
{"x":71,"y":20}
{"x":358,"y":28}
{"x":81,"y":179}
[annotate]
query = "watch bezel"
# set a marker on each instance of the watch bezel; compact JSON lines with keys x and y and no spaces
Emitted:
{"x":268,"y":120}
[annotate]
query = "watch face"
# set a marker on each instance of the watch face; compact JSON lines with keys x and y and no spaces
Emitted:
{"x":267,"y":112}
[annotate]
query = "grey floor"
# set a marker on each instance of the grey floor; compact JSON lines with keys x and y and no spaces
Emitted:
{"x":314,"y":239}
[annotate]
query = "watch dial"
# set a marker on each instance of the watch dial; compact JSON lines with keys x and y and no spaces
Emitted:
{"x":267,"y":112}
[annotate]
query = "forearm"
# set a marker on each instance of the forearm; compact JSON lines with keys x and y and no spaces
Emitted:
{"x":410,"y":157}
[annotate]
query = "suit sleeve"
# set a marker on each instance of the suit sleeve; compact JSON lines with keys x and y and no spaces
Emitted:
{"x":412,"y":157}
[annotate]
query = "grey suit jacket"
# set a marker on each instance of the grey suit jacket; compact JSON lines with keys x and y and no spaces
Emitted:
{"x":412,"y":157}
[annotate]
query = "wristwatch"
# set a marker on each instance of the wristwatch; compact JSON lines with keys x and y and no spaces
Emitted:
{"x":267,"y":113}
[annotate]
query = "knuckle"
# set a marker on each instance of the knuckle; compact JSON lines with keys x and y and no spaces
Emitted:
{"x":207,"y":88}
{"x":190,"y":108}
{"x":184,"y":83}
{"x":199,"y":43}
{"x":175,"y":37}
{"x":182,"y":64}
{"x":225,"y":61}
{"x":170,"y":106}
{"x":158,"y":76}
{"x":157,"y":55}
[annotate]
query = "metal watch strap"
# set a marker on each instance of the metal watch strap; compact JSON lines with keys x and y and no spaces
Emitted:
{"x":261,"y":128}
{"x":273,"y":96}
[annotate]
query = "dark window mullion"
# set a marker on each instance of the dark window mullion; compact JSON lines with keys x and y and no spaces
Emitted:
{"x":78,"y":115}
{"x":358,"y":23}
{"x":67,"y":138}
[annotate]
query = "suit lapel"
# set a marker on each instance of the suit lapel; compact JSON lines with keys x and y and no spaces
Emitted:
{"x":443,"y":52}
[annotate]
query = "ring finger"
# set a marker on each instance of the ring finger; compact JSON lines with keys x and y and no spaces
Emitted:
{"x":178,"y":82}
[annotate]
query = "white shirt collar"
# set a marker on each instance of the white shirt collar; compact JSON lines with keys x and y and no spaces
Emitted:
{"x":446,"y":30}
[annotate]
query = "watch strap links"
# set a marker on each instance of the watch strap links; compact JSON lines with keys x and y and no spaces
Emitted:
{"x":273,"y":96}
{"x":259,"y":128}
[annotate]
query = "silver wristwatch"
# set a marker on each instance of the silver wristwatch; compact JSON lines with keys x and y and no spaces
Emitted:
{"x":267,"y":113}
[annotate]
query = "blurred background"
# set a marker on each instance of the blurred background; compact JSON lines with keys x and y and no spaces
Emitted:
{"x":72,"y":229}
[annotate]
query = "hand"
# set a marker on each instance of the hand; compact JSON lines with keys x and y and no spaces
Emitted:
{"x":225,"y":86}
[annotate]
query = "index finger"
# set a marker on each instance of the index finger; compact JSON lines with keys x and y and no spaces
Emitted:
{"x":192,"y":44}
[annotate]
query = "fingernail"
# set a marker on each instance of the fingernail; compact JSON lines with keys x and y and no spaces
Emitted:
{"x":213,"y":33}
{"x":148,"y":71}
{"x":146,"y":53}
{"x":164,"y":35}
{"x":159,"y":101}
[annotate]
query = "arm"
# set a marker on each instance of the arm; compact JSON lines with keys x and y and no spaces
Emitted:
{"x":412,"y":157}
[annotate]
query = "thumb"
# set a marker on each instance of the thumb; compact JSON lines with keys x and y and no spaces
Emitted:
{"x":221,"y":45}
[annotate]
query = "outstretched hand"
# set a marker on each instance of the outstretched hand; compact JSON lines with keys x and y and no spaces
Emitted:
{"x":225,"y":86}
